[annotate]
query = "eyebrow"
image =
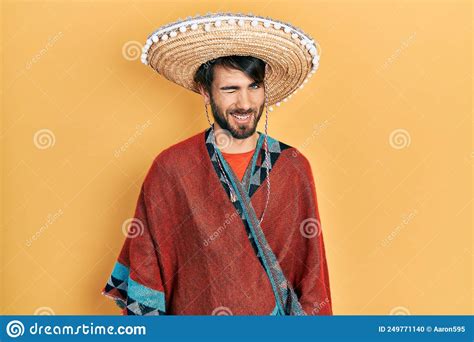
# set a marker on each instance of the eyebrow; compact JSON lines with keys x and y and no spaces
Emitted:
{"x":236,"y":87}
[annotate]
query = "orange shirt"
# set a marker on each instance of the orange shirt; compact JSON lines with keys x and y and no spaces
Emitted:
{"x":238,"y":162}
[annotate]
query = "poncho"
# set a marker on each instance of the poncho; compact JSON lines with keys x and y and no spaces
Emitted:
{"x":193,"y":249}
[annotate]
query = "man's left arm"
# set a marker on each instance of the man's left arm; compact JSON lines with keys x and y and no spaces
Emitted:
{"x":312,"y":284}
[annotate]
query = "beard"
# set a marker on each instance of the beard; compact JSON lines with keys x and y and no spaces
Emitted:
{"x":238,"y":130}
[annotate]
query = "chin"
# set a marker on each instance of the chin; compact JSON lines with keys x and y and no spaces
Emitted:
{"x":242,"y":134}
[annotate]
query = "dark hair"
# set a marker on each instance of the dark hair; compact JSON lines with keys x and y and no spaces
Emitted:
{"x":252,"y":66}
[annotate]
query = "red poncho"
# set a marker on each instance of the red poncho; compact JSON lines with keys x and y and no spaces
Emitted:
{"x":193,"y":248}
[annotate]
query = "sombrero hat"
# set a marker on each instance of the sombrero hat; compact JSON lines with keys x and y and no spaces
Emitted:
{"x":178,"y":49}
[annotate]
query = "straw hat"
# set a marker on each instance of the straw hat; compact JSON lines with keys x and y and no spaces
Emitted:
{"x":178,"y":49}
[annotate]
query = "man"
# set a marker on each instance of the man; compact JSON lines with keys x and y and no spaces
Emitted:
{"x":211,"y":234}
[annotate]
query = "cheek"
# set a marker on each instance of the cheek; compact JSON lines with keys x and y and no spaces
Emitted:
{"x":258,"y":98}
{"x":225,"y":104}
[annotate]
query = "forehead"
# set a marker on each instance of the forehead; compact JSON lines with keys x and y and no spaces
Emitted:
{"x":225,"y":76}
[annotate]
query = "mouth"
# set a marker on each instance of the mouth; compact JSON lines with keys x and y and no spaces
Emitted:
{"x":239,"y":118}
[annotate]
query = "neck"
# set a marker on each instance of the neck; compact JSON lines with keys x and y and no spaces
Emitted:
{"x":238,"y":145}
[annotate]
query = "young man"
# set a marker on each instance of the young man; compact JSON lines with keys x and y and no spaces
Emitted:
{"x":211,"y":234}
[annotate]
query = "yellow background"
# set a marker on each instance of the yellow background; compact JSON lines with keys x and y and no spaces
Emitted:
{"x":386,"y":123}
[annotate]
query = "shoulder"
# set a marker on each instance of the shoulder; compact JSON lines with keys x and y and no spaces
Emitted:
{"x":181,"y":151}
{"x":291,"y":161}
{"x":292,"y":156}
{"x":178,"y":156}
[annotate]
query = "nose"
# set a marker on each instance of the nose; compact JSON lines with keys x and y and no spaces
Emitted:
{"x":243,"y":101}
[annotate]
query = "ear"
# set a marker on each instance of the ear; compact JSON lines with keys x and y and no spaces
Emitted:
{"x":204,"y":94}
